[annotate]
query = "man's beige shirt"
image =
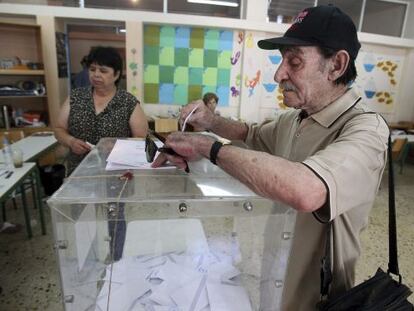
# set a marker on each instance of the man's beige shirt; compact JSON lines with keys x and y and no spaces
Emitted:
{"x":345,"y":146}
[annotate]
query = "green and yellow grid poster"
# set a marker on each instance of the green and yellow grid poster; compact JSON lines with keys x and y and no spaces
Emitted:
{"x":183,"y":63}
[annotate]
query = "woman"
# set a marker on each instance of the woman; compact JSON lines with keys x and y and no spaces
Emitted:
{"x":211,"y":101}
{"x":101,"y":110}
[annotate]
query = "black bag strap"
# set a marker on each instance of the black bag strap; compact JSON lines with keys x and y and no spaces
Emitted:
{"x":392,"y":223}
{"x":326,"y":271}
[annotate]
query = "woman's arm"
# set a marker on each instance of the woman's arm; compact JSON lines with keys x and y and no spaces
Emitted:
{"x":61,"y":132}
{"x":138,"y":122}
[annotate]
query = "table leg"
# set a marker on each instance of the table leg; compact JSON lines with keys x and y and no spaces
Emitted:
{"x":37,"y":197}
{"x":26,"y":212}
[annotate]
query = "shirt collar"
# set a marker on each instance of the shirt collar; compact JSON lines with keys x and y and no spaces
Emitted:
{"x":327,"y":116}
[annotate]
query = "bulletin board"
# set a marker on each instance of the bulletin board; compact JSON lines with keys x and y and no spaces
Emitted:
{"x":182,"y":63}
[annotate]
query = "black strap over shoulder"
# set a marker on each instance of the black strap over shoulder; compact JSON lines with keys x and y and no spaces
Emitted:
{"x":392,"y":223}
{"x":326,"y":270}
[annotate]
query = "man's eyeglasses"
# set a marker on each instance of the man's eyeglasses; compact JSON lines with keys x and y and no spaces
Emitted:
{"x":151,"y":148}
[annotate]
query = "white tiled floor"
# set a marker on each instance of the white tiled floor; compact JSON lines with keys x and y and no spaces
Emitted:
{"x":29,"y":275}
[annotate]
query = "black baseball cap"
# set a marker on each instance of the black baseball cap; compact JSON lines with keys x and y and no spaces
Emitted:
{"x":324,"y":26}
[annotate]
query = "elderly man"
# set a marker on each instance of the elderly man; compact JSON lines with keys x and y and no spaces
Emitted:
{"x":325,"y":158}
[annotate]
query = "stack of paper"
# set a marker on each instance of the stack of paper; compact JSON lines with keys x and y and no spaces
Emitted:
{"x":129,"y":154}
{"x":174,"y":268}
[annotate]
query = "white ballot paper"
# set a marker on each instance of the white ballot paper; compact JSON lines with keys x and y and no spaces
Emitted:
{"x":172,"y":282}
{"x":129,"y":154}
{"x":168,"y":265}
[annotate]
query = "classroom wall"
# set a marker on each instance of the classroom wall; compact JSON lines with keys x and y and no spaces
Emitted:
{"x":81,"y":47}
{"x":402,"y":109}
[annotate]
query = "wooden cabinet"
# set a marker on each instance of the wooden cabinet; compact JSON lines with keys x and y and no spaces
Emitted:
{"x":23,"y":87}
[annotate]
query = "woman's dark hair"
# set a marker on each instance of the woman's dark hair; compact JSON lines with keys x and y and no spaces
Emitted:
{"x":106,"y":56}
{"x":350,"y":73}
{"x":209,"y":96}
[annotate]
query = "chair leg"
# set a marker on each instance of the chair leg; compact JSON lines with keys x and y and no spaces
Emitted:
{"x":14,"y":202}
{"x":37,"y":197}
{"x":3,"y":210}
{"x":32,"y":186}
{"x":26,"y":212}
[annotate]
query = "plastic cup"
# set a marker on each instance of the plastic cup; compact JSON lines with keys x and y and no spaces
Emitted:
{"x":17,"y":156}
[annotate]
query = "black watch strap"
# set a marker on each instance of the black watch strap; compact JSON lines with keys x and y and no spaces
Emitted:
{"x":215,"y":148}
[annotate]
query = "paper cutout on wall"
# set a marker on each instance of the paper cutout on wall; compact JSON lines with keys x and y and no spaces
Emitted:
{"x":389,"y":68}
{"x":235,"y":58}
{"x":370,"y":89}
{"x":234,"y":91}
{"x":251,"y":83}
{"x":384,"y":97}
{"x":279,"y":98}
{"x":269,"y":87}
{"x":369,"y":62}
{"x":240,"y":37}
{"x":275,"y":59}
{"x":133,"y":66}
{"x":238,"y":79}
{"x":249,"y":41}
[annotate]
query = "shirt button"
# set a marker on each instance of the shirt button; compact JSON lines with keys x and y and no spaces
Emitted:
{"x":297,"y":135}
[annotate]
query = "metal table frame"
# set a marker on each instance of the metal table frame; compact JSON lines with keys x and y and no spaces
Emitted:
{"x":33,"y":174}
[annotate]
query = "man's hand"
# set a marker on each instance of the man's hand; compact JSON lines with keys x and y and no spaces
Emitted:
{"x":78,"y":146}
{"x":189,"y":147}
{"x":202,"y":117}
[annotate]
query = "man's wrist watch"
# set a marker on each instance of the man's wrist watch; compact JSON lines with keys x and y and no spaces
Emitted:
{"x":215,"y":148}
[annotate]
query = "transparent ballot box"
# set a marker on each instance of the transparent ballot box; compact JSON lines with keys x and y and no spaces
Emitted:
{"x":167,"y":240}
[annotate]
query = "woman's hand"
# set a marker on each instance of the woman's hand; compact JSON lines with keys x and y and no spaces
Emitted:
{"x":78,"y":146}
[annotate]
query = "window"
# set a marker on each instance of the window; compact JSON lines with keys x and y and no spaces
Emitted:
{"x":145,"y":5}
{"x":351,"y":7}
{"x":72,"y":3}
{"x":384,"y":17}
{"x":283,"y":11}
{"x":205,"y":9}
